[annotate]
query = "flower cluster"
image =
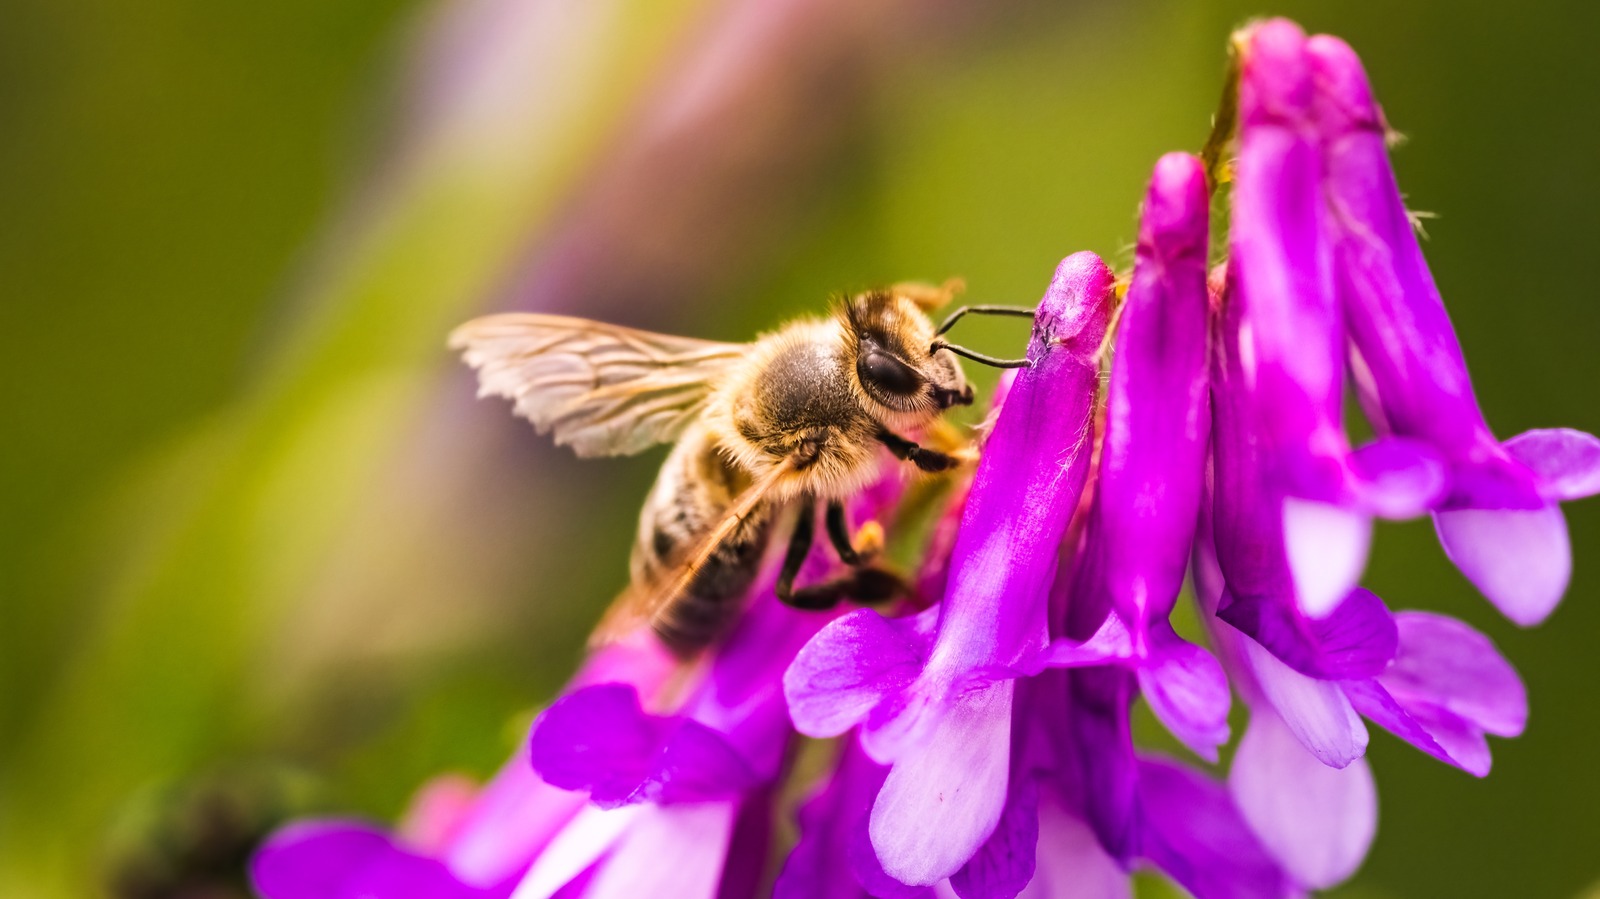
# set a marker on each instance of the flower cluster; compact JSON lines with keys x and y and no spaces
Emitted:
{"x":984,"y":744}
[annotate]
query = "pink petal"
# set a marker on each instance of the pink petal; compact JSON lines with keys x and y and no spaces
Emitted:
{"x":671,"y":850}
{"x":1436,"y":731}
{"x":1521,"y":560}
{"x":1445,"y":662}
{"x":1395,"y":477}
{"x":851,"y":665}
{"x":1316,"y":820}
{"x":1188,"y":692}
{"x":942,"y":801}
{"x":1566,"y":461}
{"x":580,"y":844}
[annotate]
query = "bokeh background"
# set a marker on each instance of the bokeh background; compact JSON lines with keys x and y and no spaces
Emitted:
{"x":264,"y":554}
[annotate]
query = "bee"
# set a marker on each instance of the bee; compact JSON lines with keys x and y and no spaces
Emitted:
{"x":799,"y":417}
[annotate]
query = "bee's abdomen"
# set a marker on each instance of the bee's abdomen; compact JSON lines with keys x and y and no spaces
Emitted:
{"x":691,"y":496}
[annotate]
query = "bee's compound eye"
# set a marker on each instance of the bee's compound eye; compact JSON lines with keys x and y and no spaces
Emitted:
{"x":884,"y":371}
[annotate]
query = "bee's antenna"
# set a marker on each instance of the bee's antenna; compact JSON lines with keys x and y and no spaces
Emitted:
{"x":979,"y":357}
{"x":957,"y":315}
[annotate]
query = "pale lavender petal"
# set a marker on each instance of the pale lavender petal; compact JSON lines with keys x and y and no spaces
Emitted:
{"x":1445,"y":662}
{"x":1317,"y":821}
{"x":1195,"y":834}
{"x":669,"y":850}
{"x":851,"y":665}
{"x":1326,"y":547}
{"x":868,"y":871}
{"x":1004,"y":863}
{"x":515,"y":816}
{"x":1071,"y":864}
{"x":1186,"y":689}
{"x":1315,"y":711}
{"x":1520,"y":559}
{"x":1358,"y":640}
{"x":1567,"y":462}
{"x":583,"y":842}
{"x":1436,"y":731}
{"x":1395,"y":477}
{"x":956,"y":778}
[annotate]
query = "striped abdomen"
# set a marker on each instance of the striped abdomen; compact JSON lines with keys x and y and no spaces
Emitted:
{"x":692,"y":495}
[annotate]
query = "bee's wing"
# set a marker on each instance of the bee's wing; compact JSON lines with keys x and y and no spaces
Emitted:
{"x":602,"y":389}
{"x":643,"y":604}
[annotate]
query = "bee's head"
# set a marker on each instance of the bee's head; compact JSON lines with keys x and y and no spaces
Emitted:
{"x":888,"y":339}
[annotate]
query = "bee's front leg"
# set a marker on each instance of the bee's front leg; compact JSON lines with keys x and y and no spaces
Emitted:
{"x":853,"y":551}
{"x":864,"y":585}
{"x":920,"y":456}
{"x":805,"y":526}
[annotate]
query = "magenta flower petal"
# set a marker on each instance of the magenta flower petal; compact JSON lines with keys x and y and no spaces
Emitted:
{"x":1444,"y":662}
{"x":1152,"y":462}
{"x":1567,"y":462}
{"x":1317,"y":821}
{"x":852,"y":665}
{"x":1280,"y":261}
{"x":1101,"y":761}
{"x":1520,"y":559}
{"x":599,"y":739}
{"x":1196,"y":835}
{"x":1004,"y":864}
{"x":1187,"y":691}
{"x":1358,"y":640}
{"x":1448,"y":686}
{"x":1440,"y":733}
{"x":1395,"y":315}
{"x":1516,"y":555}
{"x":834,"y":856}
{"x":349,"y":860}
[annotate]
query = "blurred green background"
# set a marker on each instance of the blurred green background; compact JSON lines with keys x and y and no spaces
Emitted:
{"x":259,"y":541}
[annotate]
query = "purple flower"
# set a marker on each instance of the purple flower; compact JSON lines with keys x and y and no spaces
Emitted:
{"x":933,"y":693}
{"x":988,"y":750}
{"x":1290,"y":336}
{"x":477,"y":846}
{"x":1500,"y":522}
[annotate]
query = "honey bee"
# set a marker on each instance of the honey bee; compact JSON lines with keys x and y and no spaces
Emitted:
{"x":798,"y":417}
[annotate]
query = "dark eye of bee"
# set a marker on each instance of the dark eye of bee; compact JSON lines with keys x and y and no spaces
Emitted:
{"x":877,"y":367}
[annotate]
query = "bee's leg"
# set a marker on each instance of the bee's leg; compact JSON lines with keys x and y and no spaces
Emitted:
{"x":867,"y":585}
{"x":923,"y":458}
{"x":805,"y":527}
{"x":856,"y":551}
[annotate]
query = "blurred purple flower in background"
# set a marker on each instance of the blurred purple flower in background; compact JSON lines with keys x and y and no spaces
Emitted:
{"x":986,"y":744}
